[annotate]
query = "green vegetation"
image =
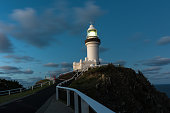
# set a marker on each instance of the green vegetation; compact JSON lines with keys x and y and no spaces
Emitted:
{"x":41,"y":81}
{"x":122,"y":90}
{"x":7,"y":98}
{"x":9,"y":84}
{"x":67,"y":76}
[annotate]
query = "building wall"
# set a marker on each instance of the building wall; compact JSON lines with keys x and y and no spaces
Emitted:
{"x":83,"y":64}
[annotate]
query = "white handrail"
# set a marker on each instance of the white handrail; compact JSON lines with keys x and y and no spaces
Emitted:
{"x":12,"y":91}
{"x":96,"y":106}
{"x":75,"y":76}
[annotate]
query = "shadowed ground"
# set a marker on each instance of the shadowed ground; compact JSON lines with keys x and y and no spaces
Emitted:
{"x":29,"y":104}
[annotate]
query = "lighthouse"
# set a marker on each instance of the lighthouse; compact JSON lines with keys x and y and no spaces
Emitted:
{"x":92,"y":43}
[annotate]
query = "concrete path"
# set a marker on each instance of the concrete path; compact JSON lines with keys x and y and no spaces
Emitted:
{"x":53,"y":106}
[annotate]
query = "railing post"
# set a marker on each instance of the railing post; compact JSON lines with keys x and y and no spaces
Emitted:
{"x":9,"y":92}
{"x":57,"y":93}
{"x":68,"y":97}
{"x":41,"y":84}
{"x":20,"y":90}
{"x":49,"y":82}
{"x":32,"y":87}
{"x":76,"y":108}
{"x":84,"y":107}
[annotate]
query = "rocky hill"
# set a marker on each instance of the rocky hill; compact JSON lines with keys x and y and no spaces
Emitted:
{"x":122,"y":90}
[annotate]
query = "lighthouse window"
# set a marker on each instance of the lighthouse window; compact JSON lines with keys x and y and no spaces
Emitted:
{"x":92,"y":33}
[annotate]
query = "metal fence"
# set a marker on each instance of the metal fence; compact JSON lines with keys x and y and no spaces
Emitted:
{"x":85,"y":101}
{"x":19,"y":90}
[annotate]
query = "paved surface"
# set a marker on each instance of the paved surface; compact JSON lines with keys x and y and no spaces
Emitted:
{"x":53,"y":106}
{"x":29,"y":104}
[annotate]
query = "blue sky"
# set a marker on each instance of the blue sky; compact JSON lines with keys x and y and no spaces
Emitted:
{"x":41,"y":37}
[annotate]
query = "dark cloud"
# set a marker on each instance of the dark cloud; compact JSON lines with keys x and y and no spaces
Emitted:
{"x":164,"y":40}
{"x":9,"y":68}
{"x":157,"y":61}
{"x":19,"y":59}
{"x":120,"y":62}
{"x":2,"y":73}
{"x":51,"y":65}
{"x":40,"y":30}
{"x":14,"y":70}
{"x":28,"y":71}
{"x":66,"y":65}
{"x":5,"y":44}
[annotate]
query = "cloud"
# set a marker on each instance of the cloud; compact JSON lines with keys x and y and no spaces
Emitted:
{"x":120,"y":62}
{"x":156,"y":61}
{"x":51,"y":65}
{"x":150,"y":69}
{"x":166,"y":73}
{"x":66,"y":65}
{"x":41,"y":29}
{"x":83,"y":15}
{"x":164,"y":40}
{"x":5,"y":44}
{"x":19,"y":59}
{"x":9,"y":68}
{"x":14,"y":70}
{"x":28,"y":71}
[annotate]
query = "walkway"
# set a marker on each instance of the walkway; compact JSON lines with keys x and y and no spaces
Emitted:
{"x":43,"y":100}
{"x":53,"y":106}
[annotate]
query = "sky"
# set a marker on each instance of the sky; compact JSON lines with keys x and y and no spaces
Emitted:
{"x":39,"y":38}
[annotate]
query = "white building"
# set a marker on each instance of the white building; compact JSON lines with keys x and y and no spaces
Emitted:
{"x":92,"y":42}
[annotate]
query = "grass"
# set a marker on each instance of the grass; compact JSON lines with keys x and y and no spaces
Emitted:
{"x":7,"y":98}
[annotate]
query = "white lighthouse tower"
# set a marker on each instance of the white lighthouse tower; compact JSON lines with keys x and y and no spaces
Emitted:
{"x":92,"y":42}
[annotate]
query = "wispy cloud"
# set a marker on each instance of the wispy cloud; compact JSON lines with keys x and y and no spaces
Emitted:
{"x":19,"y":59}
{"x":164,"y":40}
{"x":5,"y":44}
{"x":14,"y":70}
{"x":51,"y":65}
{"x":150,"y":69}
{"x":9,"y":68}
{"x":66,"y":65}
{"x":156,"y":61}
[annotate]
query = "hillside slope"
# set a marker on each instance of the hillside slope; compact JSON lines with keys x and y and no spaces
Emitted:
{"x":122,"y":90}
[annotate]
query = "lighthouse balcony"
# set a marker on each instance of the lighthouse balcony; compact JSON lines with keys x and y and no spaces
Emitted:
{"x":92,"y":40}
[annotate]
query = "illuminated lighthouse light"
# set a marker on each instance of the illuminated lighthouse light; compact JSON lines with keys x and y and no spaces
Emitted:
{"x":92,"y":33}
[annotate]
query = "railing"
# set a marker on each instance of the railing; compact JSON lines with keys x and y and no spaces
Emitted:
{"x":74,"y":77}
{"x":86,"y":101}
{"x":19,"y":90}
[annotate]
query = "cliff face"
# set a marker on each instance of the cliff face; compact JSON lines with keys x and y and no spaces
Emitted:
{"x":122,"y":90}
